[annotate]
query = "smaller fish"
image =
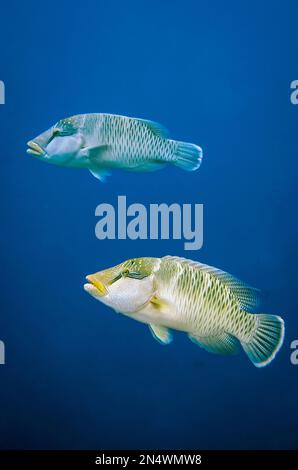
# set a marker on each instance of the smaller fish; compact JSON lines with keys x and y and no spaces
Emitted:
{"x":102,"y":142}
{"x":211,"y":306}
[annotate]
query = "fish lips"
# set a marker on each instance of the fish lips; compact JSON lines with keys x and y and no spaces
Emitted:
{"x":95,"y":286}
{"x":35,"y":149}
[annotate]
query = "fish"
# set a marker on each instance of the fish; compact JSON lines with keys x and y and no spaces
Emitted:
{"x":215,"y":309}
{"x":103,"y":142}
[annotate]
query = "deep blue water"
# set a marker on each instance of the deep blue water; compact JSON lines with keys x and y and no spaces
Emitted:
{"x":214,"y":73}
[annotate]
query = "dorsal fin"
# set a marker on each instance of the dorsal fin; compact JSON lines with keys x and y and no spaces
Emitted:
{"x":156,"y":128}
{"x":248,"y":297}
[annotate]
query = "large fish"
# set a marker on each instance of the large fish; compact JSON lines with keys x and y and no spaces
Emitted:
{"x":211,"y":306}
{"x":100,"y":142}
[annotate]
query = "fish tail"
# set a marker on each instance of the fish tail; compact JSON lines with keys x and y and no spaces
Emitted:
{"x":188,"y":156}
{"x":266,"y":339}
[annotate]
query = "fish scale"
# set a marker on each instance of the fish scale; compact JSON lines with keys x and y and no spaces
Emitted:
{"x":211,"y":306}
{"x":207,"y":305}
{"x":132,"y":139}
{"x":100,"y":142}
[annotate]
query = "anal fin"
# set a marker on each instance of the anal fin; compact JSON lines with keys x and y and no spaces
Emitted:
{"x":148,"y":166}
{"x":223,"y":343}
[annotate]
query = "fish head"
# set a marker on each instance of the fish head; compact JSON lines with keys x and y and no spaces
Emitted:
{"x":127,"y":287}
{"x":61,"y":144}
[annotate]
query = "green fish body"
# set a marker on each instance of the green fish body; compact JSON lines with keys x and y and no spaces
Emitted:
{"x":101,"y":142}
{"x":211,"y":306}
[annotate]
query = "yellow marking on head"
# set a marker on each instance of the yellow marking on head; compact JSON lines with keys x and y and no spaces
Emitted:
{"x":102,"y":290}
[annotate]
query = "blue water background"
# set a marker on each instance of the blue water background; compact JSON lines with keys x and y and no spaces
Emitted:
{"x":214,"y":73}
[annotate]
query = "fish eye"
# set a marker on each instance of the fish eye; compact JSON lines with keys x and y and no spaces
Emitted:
{"x":119,"y":276}
{"x":56,"y":131}
{"x":62,"y":129}
{"x":127,"y":273}
{"x":136,"y":275}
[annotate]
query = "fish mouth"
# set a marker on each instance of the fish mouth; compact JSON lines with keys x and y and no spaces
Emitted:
{"x":95,"y":286}
{"x":35,"y":149}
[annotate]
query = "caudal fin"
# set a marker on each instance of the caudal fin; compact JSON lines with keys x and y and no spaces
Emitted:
{"x":188,"y":156}
{"x":266,"y":340}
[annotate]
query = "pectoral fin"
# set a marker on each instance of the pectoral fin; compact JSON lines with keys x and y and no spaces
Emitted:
{"x":161,"y":334}
{"x":160,"y":304}
{"x":100,"y":174}
{"x":94,"y":154}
